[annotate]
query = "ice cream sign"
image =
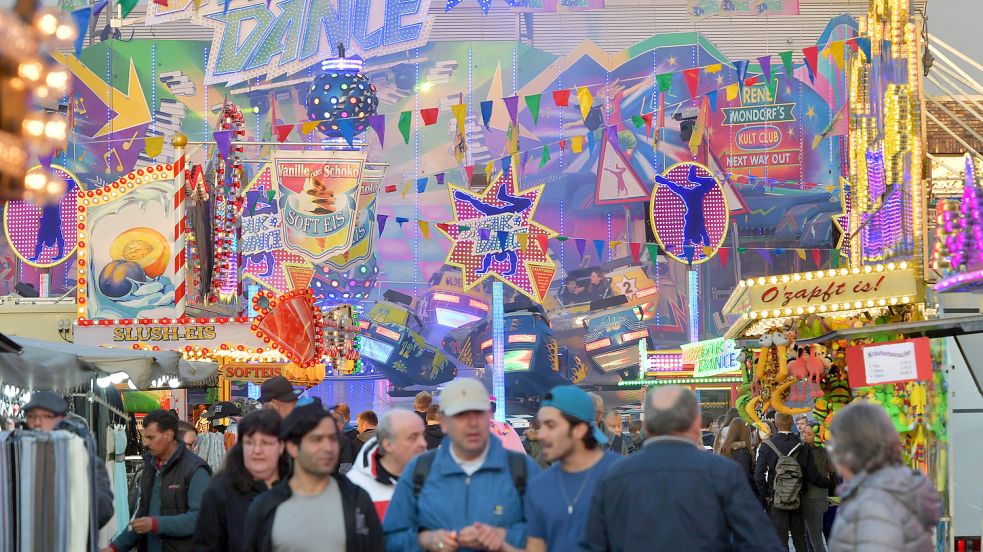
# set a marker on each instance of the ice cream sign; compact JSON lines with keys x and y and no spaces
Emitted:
{"x":318,"y":194}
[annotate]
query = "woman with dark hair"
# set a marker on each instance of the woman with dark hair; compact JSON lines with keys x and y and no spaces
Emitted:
{"x":885,"y":504}
{"x":737,"y":446}
{"x":723,"y":426}
{"x":252,"y":466}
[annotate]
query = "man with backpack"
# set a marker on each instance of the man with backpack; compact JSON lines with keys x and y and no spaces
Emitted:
{"x":466,"y":496}
{"x":783,"y":466}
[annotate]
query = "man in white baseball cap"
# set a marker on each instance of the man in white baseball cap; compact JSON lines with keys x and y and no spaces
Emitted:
{"x":467,"y":494}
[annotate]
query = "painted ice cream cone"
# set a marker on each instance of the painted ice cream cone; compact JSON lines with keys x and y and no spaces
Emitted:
{"x":315,"y":198}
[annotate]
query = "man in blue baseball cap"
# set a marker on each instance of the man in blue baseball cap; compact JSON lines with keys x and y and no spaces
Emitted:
{"x":558,"y":500}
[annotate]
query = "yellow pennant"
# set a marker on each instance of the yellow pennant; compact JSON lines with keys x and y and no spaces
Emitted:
{"x":586,"y":100}
{"x":308,"y":127}
{"x":153,"y":145}
{"x":715,"y":68}
{"x":459,"y":111}
{"x":577,"y":144}
{"x":424,"y":229}
{"x":732,"y":90}
{"x":406,"y":188}
{"x":707,"y":251}
{"x":836,"y":50}
{"x":615,"y":243}
{"x":801,"y":253}
{"x":523,"y":240}
{"x":488,"y":171}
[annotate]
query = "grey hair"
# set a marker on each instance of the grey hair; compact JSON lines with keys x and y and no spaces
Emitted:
{"x":384,"y":431}
{"x":862,"y":438}
{"x":677,"y":418}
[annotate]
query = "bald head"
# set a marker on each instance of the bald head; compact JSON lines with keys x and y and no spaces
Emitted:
{"x":672,"y":410}
{"x":400,"y":435}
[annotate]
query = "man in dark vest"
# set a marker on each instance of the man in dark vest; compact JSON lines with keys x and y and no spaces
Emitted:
{"x":170,"y":491}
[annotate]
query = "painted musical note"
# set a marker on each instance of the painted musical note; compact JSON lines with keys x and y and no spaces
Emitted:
{"x":129,"y":144}
{"x":119,"y":162}
{"x":80,"y":106}
{"x":82,"y":157}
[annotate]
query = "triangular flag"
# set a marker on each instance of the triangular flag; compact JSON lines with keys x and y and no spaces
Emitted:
{"x":308,"y":127}
{"x":765,"y":255}
{"x":862,"y":42}
{"x":741,"y":67}
{"x":786,"y":62}
{"x":450,"y":5}
{"x":817,"y":258}
{"x":712,"y":100}
{"x":545,"y":157}
{"x":638,"y":121}
{"x":581,"y":244}
{"x":852,"y":43}
{"x":741,"y":250}
{"x":512,"y":106}
{"x":469,"y":171}
{"x":599,"y":246}
{"x":503,"y":239}
{"x":506,"y":164}
{"x":615,"y":243}
{"x":692,"y":81}
{"x":405,"y":123}
{"x":486,"y":112}
{"x":223,"y":139}
{"x":732,"y":91}
{"x":723,"y":253}
{"x":459,"y":111}
{"x":347,"y":129}
{"x":45,"y":159}
{"x":153,"y":146}
{"x":812,"y":60}
{"x":440,"y":179}
{"x":421,"y":184}
{"x":577,"y":144}
{"x":714,"y":68}
{"x":424,"y":228}
{"x":765,"y":63}
{"x":707,"y":251}
{"x":563,"y":145}
{"x":648,"y":124}
{"x":283,"y":131}
{"x":688,"y":253}
{"x":98,"y":7}
{"x":562,"y":238}
{"x":128,"y":6}
{"x":523,"y":240}
{"x":665,"y":82}
{"x":81,"y":17}
{"x":390,"y":188}
{"x":836,"y":51}
{"x":429,"y":115}
{"x":489,"y":167}
{"x":773,"y":88}
{"x":696,"y":138}
{"x":532,"y":103}
{"x":543,"y":241}
{"x":378,"y":124}
{"x":444,"y":226}
{"x":636,"y":249}
{"x":561,"y":98}
{"x":653,"y":250}
{"x":801,"y":253}
{"x":381,"y":221}
{"x":751,"y":81}
{"x":401,"y":220}
{"x":406,"y":188}
{"x":590,"y":142}
{"x":586,"y":101}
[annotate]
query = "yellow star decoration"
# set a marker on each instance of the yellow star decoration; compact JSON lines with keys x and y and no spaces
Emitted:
{"x":720,"y":80}
{"x":842,"y":219}
{"x":788,"y":89}
{"x":791,"y":132}
{"x":811,"y":113}
{"x":672,"y":61}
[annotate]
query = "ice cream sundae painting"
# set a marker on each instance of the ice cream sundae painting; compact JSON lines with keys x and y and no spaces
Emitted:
{"x":318,"y":195}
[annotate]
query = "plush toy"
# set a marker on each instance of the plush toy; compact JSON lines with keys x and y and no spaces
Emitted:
{"x":836,"y":395}
{"x":771,"y":379}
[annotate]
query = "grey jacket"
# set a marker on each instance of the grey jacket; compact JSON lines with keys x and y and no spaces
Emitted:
{"x":894,"y":509}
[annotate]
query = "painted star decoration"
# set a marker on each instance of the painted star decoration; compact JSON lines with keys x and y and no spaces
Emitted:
{"x":493,"y":234}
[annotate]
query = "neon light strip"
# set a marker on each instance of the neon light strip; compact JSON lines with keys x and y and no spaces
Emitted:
{"x":498,"y":351}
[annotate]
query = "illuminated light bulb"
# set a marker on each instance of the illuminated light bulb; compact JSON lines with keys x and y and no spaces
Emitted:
{"x":33,"y":126}
{"x":906,"y":299}
{"x":776,"y":313}
{"x":785,"y":279}
{"x":844,"y":272}
{"x":787,"y":312}
{"x":55,"y":187}
{"x":879,"y":268}
{"x":881,"y":302}
{"x":56,"y":128}
{"x":30,"y":70}
{"x":834,"y":307}
{"x":868,"y":269}
{"x":893,"y":301}
{"x":855,"y":271}
{"x":799,"y":311}
{"x":903,"y":265}
{"x":870,"y":303}
{"x":46,"y":23}
{"x":35,"y":181}
{"x":57,"y":80}
{"x":858,"y":304}
{"x":891,"y":266}
{"x":796,"y":277}
{"x":66,"y":32}
{"x":773,"y":280}
{"x":811,"y":309}
{"x":753,"y":315}
{"x":761,"y":281}
{"x":808,"y":276}
{"x":822,"y":308}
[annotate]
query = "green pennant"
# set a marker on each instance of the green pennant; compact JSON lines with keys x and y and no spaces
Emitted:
{"x":405,"y":122}
{"x":742,"y":250}
{"x":532,"y":102}
{"x":653,"y":250}
{"x":638,"y":121}
{"x":463,"y":228}
{"x":562,"y":238}
{"x":787,"y":62}
{"x":545,"y":158}
{"x":127,"y":6}
{"x":772,"y":87}
{"x":665,"y":82}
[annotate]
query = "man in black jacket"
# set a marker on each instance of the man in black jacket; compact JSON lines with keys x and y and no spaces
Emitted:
{"x":316,"y":509}
{"x":786,"y":521}
{"x":699,"y":501}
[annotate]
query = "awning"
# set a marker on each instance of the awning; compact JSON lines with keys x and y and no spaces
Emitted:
{"x":935,"y":328}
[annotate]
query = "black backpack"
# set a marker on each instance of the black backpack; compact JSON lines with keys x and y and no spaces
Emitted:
{"x":517,"y":467}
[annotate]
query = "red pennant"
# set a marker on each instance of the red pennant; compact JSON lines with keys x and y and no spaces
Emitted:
{"x":692,"y":81}
{"x":812,"y":59}
{"x":390,"y":188}
{"x":648,"y":124}
{"x":635,"y":248}
{"x":724,"y":253}
{"x":429,"y":115}
{"x":852,"y":43}
{"x":282,"y":131}
{"x":561,"y":98}
{"x":817,"y":258}
{"x":563,"y":144}
{"x":469,"y":170}
{"x":543,"y":242}
{"x":750,"y":81}
{"x":444,"y":226}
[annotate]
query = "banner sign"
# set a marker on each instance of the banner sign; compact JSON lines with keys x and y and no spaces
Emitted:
{"x":268,"y":39}
{"x":363,"y":240}
{"x":711,"y":357}
{"x":699,"y":9}
{"x":885,"y":363}
{"x":756,"y":131}
{"x":256,"y":373}
{"x":787,"y":292}
{"x":318,"y":193}
{"x":169,"y":337}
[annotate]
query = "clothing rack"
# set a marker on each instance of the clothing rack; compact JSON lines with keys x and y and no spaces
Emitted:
{"x":97,"y":399}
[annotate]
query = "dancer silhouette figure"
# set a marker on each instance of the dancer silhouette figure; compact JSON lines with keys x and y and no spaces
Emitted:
{"x":513,"y":205}
{"x":695,"y":226}
{"x":619,"y":173}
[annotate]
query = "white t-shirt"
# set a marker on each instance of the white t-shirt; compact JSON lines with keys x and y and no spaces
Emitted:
{"x":471,"y":466}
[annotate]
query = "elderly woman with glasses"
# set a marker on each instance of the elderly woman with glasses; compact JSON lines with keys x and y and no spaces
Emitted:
{"x":886,"y":506}
{"x":252,"y":466}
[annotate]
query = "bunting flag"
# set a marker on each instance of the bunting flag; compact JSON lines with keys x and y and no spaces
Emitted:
{"x":450,"y":5}
{"x":440,"y":179}
{"x":599,"y":246}
{"x":523,"y":239}
{"x":581,"y":244}
{"x":460,"y":111}
{"x":401,"y":220}
{"x":429,"y":115}
{"x":586,"y":101}
{"x":741,"y":67}
{"x":765,"y":63}
{"x":839,"y":126}
{"x":665,"y":82}
{"x":223,"y":140}
{"x":786,"y":62}
{"x":543,"y":241}
{"x":862,"y":42}
{"x":707,"y":251}
{"x":765,"y":255}
{"x":421,"y":184}
{"x":424,"y":229}
{"x":653,"y":250}
{"x":662,"y":114}
{"x":817,"y":258}
{"x":648,"y":124}
{"x":577,"y":144}
{"x":590,"y":142}
{"x":489,"y":167}
{"x":561,"y":98}
{"x":153,"y":146}
{"x":563,"y":145}
{"x":812,"y":61}
{"x":692,"y":81}
{"x":715,"y":68}
{"x":282,"y":132}
{"x":836,"y":51}
{"x":405,"y":122}
{"x":688,"y":253}
{"x":545,"y":157}
{"x":801,"y":253}
{"x":406,"y":188}
{"x":347,"y":129}
{"x":696,"y":138}
{"x":638,"y":121}
{"x":390,"y":188}
{"x":380,"y":221}
{"x":712,"y":100}
{"x":469,"y":170}
{"x":723,"y":252}
{"x":506,"y":164}
{"x":532,"y":104}
{"x":486,"y":112}
{"x":503,"y":239}
{"x":732,"y":91}
{"x":81,"y":17}
{"x":128,"y":5}
{"x":512,"y":106}
{"x":636,"y":249}
{"x":46,"y":158}
{"x":378,"y":124}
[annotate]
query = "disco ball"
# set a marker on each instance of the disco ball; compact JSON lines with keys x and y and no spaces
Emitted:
{"x":341,"y":94}
{"x":333,"y":287}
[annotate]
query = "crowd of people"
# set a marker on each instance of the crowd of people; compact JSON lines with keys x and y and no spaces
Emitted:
{"x":304,"y":477}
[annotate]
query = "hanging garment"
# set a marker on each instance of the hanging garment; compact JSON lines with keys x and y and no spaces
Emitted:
{"x":62,"y":499}
{"x":212,"y":450}
{"x":80,"y":493}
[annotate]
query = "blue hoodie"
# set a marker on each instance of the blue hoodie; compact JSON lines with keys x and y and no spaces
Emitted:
{"x":451,"y":500}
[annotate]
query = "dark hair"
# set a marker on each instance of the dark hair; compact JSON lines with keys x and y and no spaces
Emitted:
{"x":185,"y":427}
{"x":589,"y":441}
{"x":433,"y":412}
{"x":344,"y":410}
{"x":783,"y":421}
{"x":534,"y":423}
{"x":164,"y":419}
{"x":635,"y":426}
{"x":369,"y":417}
{"x":266,"y":422}
{"x":731,"y":414}
{"x":737,"y":432}
{"x":706,"y":420}
{"x":571,"y":279}
{"x":302,"y":421}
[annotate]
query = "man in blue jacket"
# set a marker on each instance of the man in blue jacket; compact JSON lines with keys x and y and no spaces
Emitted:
{"x":673,"y":495}
{"x":467,"y":494}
